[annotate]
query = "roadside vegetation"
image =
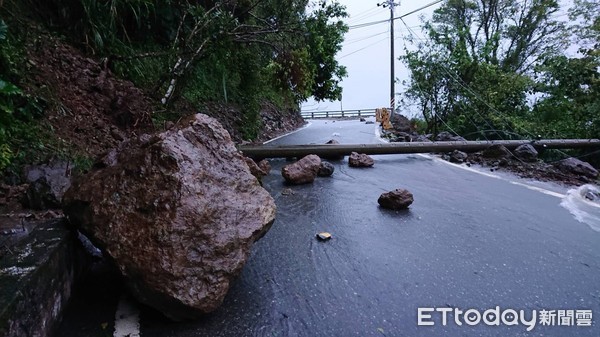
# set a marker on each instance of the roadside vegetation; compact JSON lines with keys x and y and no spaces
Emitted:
{"x":508,"y":69}
{"x":181,"y":53}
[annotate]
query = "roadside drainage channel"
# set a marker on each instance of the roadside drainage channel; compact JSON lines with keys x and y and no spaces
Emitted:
{"x":36,"y":279}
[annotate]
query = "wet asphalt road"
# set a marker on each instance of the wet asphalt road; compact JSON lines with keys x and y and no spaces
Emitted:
{"x":468,"y":241}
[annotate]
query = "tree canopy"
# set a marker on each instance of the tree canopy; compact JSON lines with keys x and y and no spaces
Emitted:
{"x":498,"y":69}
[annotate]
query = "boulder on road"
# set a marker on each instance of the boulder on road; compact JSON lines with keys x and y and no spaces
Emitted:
{"x":360,"y":160}
{"x":303,"y":171}
{"x":326,"y":169}
{"x":396,"y":199}
{"x":576,"y":166}
{"x":526,"y":152}
{"x":177,"y":212}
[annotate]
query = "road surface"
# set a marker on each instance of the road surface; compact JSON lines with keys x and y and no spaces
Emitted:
{"x":470,"y":241}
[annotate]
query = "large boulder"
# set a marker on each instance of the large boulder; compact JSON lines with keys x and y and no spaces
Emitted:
{"x":396,"y":199}
{"x":177,"y":212}
{"x":303,"y":171}
{"x":526,"y":152}
{"x":360,"y":160}
{"x":576,"y":166}
{"x":47,"y":184}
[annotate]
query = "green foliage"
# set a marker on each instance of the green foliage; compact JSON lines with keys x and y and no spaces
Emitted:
{"x":19,"y":135}
{"x":570,"y":105}
{"x":473,"y":73}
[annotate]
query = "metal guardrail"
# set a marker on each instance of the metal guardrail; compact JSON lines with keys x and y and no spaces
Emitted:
{"x":338,"y":114}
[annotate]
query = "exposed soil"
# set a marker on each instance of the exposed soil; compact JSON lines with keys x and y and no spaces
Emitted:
{"x":90,"y":111}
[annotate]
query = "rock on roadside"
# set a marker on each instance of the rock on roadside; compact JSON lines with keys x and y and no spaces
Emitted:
{"x":458,"y":156}
{"x":526,"y":152}
{"x":497,"y":152}
{"x":446,"y":136}
{"x":360,"y":160}
{"x":576,"y":166}
{"x":177,"y":212}
{"x":397,"y":199}
{"x":303,"y":171}
{"x":47,"y":184}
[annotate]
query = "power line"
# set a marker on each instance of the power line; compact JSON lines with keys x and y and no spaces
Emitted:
{"x":363,"y":38}
{"x":366,"y":14}
{"x":363,"y":48}
{"x":368,"y":24}
{"x":418,"y":9}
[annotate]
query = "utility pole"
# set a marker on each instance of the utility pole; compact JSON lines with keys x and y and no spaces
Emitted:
{"x":391,"y":5}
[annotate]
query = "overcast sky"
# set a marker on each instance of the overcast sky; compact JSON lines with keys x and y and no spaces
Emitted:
{"x":366,"y":54}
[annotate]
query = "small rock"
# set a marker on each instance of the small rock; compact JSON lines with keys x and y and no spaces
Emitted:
{"x":576,"y":166}
{"x":526,"y":152}
{"x":287,"y":191}
{"x":48,"y":184}
{"x":396,"y":199}
{"x":303,"y":171}
{"x":446,"y":136}
{"x":363,"y":120}
{"x":324,"y":236}
{"x":458,"y":157}
{"x":265,"y":166}
{"x":254,"y":168}
{"x":333,"y":157}
{"x":422,"y":138}
{"x":369,"y":122}
{"x":496,"y":152}
{"x":592,"y":196}
{"x":116,"y":134}
{"x":360,"y":160}
{"x":326,"y":169}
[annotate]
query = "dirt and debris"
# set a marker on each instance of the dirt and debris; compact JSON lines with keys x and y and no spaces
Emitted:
{"x":536,"y":170}
{"x":90,"y":109}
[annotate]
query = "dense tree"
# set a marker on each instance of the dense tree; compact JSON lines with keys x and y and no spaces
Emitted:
{"x":570,"y":104}
{"x":472,"y":73}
